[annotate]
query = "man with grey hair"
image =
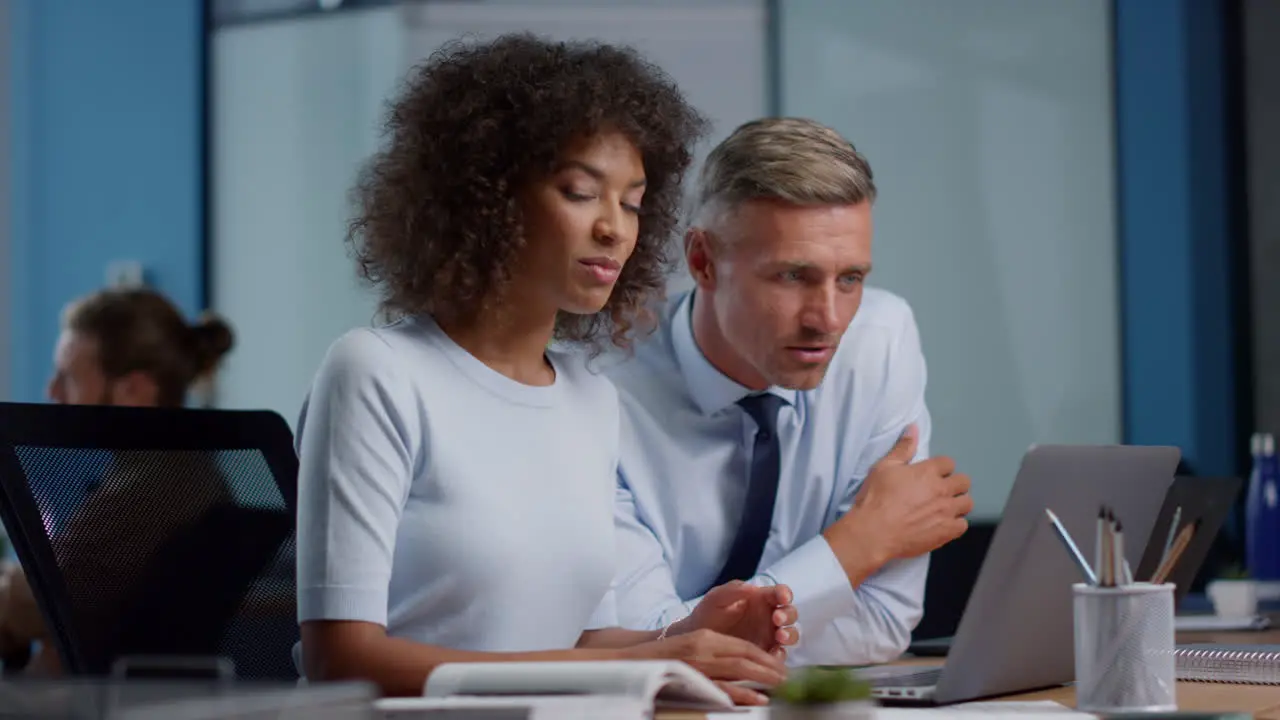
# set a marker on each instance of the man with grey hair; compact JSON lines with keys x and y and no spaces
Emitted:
{"x":774,"y":427}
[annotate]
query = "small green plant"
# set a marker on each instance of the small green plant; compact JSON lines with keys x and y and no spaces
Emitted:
{"x":1235,"y":571}
{"x":822,"y":686}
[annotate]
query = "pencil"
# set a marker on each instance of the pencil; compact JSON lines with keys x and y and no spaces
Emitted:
{"x":1118,"y":547}
{"x":1099,"y":545}
{"x":1179,"y":545}
{"x":1072,"y":549}
{"x":1173,"y":531}
{"x":1108,"y":552}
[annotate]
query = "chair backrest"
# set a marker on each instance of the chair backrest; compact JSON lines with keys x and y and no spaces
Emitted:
{"x":155,"y":532}
{"x":953,"y":571}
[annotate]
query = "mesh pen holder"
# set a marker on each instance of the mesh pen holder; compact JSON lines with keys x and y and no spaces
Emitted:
{"x":1124,"y":643}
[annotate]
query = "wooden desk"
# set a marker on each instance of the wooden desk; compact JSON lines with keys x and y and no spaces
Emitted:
{"x":1263,"y":701}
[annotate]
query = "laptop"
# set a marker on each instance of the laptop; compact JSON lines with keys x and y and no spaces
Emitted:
{"x":1016,"y":631}
{"x":1205,"y":499}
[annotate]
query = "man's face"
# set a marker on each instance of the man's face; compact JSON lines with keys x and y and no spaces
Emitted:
{"x":784,"y":282}
{"x":77,"y":376}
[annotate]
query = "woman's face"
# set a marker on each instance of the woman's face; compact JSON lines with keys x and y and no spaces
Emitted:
{"x":580,"y":224}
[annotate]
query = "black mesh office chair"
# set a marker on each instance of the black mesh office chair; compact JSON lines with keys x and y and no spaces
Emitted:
{"x":155,"y":533}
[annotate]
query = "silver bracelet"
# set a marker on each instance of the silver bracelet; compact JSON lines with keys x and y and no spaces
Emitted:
{"x":663,"y":635}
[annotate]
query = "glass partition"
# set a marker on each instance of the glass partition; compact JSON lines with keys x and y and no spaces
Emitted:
{"x":296,"y":109}
{"x":988,"y":124}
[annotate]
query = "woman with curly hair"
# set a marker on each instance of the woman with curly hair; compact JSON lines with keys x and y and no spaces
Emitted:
{"x":457,"y":467}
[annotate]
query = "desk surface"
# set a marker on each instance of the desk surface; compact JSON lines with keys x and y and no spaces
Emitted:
{"x":1261,"y":700}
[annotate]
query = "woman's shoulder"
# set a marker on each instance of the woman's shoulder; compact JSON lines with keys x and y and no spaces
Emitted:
{"x":377,"y":349}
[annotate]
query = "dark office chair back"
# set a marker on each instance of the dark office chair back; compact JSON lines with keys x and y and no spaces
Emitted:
{"x":953,"y":571}
{"x":157,"y":533}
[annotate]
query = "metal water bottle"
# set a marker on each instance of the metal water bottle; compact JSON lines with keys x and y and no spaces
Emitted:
{"x":1262,"y":511}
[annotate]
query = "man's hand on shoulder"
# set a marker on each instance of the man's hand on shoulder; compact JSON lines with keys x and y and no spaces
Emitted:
{"x":902,"y":510}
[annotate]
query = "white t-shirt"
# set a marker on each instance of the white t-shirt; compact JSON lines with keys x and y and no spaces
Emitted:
{"x":450,"y":503}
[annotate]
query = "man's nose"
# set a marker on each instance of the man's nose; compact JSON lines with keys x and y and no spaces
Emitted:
{"x":822,"y":312}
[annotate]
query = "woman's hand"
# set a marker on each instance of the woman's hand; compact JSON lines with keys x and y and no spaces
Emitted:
{"x":763,"y":616}
{"x":726,"y":660}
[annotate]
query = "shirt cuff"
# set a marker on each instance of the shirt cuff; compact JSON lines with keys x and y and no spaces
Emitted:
{"x":817,"y":580}
{"x":342,"y":603}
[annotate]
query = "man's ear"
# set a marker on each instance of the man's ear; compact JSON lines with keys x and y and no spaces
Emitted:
{"x":699,"y":256}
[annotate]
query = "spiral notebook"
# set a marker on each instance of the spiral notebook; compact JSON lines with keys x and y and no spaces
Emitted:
{"x":1212,"y":662}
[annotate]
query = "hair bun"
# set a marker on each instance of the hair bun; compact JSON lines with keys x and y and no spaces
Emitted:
{"x":212,"y":339}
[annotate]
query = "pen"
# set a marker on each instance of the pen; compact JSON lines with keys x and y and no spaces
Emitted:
{"x":1072,"y":550}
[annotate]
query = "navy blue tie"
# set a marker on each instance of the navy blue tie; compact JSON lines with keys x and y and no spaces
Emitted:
{"x":762,"y":490}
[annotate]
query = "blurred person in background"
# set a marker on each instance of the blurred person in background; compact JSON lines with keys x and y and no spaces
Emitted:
{"x":133,"y":347}
{"x":123,"y":347}
{"x":457,"y":465}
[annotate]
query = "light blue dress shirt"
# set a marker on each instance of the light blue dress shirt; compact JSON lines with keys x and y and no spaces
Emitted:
{"x":683,"y":481}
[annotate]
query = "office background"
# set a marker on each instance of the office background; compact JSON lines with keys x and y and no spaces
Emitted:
{"x":1073,"y":192}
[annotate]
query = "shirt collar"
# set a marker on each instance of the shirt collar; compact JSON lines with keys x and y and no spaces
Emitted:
{"x":710,"y":389}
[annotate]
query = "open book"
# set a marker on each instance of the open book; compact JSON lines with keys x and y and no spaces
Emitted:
{"x":626,"y":690}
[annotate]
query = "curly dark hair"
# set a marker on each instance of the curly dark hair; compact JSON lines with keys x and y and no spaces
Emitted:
{"x":437,"y":224}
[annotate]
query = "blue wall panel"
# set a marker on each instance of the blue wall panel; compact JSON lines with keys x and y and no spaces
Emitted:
{"x":107,"y":161}
{"x":1175,"y":239}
